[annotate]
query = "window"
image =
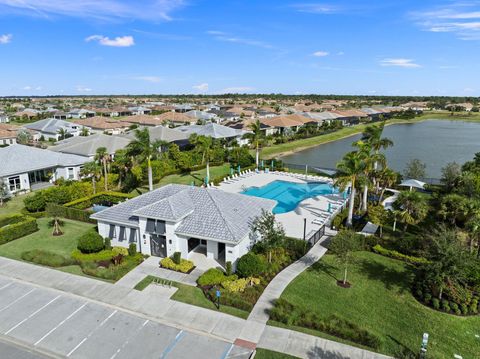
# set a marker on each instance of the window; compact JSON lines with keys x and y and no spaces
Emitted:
{"x":121,"y":236}
{"x":112,"y":232}
{"x":133,"y":235}
{"x":71,"y":174}
{"x":14,"y":183}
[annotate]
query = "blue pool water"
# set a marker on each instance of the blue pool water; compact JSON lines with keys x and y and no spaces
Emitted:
{"x":288,"y":194}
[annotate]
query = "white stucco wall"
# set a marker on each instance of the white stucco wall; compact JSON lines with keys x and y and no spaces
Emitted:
{"x":212,"y":250}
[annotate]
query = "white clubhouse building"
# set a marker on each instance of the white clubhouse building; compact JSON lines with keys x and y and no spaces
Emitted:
{"x":180,"y":218}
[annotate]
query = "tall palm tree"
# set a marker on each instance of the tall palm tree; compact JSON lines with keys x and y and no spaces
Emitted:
{"x":386,"y":178}
{"x":122,"y":164}
{"x":204,"y":145}
{"x":145,"y":150}
{"x":350,"y":168}
{"x":103,"y":157}
{"x":84,"y":131}
{"x":412,"y":208}
{"x":256,"y":138}
{"x":94,"y":171}
{"x":63,"y":133}
{"x":373,"y":135}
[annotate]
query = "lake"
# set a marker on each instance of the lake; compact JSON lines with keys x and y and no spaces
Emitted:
{"x":434,"y":142}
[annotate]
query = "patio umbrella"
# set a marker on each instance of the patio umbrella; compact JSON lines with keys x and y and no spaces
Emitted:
{"x":273,"y":165}
{"x":413,"y":183}
{"x":262,"y":164}
{"x":231,"y":171}
{"x":238,"y":169}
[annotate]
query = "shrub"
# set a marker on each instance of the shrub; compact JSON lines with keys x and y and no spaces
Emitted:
{"x":105,"y":255}
{"x":17,"y":227}
{"x":454,"y":307}
{"x":185,"y":266}
{"x":90,"y":242}
{"x":251,"y":265}
{"x":100,"y":197}
{"x":419,"y":294}
{"x":46,"y":258}
{"x":132,"y":249}
{"x":214,"y":276}
{"x":113,"y":272}
{"x":53,"y":209}
{"x":397,"y":255}
{"x":228,"y":268}
{"x":427,"y":298}
{"x":107,"y":243}
{"x":436,"y":303}
{"x":474,"y":306}
{"x":445,"y":305}
{"x":464,"y":308}
{"x":65,"y":192}
{"x":177,"y":257}
{"x":239,"y":285}
{"x":295,"y":247}
{"x":120,"y":250}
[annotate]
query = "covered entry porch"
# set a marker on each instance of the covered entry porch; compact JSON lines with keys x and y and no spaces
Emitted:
{"x":206,"y":254}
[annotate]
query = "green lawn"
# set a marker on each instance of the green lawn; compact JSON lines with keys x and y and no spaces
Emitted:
{"x":269,"y":354}
{"x":13,"y":205}
{"x":192,"y":295}
{"x":381,"y":302}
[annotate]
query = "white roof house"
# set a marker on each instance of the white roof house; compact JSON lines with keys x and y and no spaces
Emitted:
{"x":180,"y":218}
{"x":215,"y":131}
{"x":50,"y":128}
{"x":87,"y":146}
{"x":25,"y":168}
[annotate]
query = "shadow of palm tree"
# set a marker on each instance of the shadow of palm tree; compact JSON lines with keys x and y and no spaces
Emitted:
{"x":392,"y":278}
{"x":320,"y":353}
{"x":402,"y":351}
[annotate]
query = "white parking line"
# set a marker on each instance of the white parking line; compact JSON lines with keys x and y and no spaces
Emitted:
{"x":33,"y":314}
{"x":16,"y":300}
{"x":6,"y":285}
{"x":89,"y":335}
{"x":126,"y":342}
{"x":59,"y":324}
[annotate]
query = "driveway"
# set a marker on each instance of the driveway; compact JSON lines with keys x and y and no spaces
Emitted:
{"x":56,"y":324}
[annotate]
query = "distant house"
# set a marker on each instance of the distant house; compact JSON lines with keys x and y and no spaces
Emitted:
{"x":140,"y":110}
{"x":350,"y":117}
{"x":81,"y":113}
{"x":107,"y":125}
{"x":145,"y":120}
{"x":87,"y":146}
{"x":177,"y":119}
{"x":4,"y":118}
{"x":286,"y":123}
{"x":201,"y":115}
{"x":50,"y":128}
{"x":8,"y":134}
{"x":27,"y":113}
{"x":115,"y":111}
{"x":164,"y":134}
{"x":25,"y":168}
{"x":215,"y":131}
{"x":60,"y":115}
{"x":185,"y":219}
{"x":184,"y":107}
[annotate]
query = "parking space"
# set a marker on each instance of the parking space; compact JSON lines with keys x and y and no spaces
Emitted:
{"x":69,"y":326}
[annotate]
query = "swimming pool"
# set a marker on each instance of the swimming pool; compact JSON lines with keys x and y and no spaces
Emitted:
{"x":289,"y":194}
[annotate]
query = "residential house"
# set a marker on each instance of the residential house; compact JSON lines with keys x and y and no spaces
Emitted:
{"x":184,"y":107}
{"x":140,"y":110}
{"x":4,"y":118}
{"x":177,"y":119}
{"x":180,"y":218}
{"x":286,"y":124}
{"x":59,"y":115}
{"x":51,"y":128}
{"x":164,"y":134}
{"x":350,"y":117}
{"x":100,"y":124}
{"x":215,"y":131}
{"x":25,"y":168}
{"x":145,"y":120}
{"x":201,"y":115}
{"x":87,"y":146}
{"x":8,"y":134}
{"x":81,"y":113}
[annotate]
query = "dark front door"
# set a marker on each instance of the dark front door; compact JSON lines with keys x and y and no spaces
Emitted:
{"x":158,"y":245}
{"x":192,"y":244}
{"x":221,"y":252}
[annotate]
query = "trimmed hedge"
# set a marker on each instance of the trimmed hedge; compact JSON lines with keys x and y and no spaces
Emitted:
{"x":105,"y":255}
{"x":214,"y":276}
{"x":17,"y":229}
{"x":185,"y":266}
{"x":397,"y":255}
{"x":46,"y":258}
{"x":70,"y":213}
{"x":89,"y":201}
{"x":11,"y":219}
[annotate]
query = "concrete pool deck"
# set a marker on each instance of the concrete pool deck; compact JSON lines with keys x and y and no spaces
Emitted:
{"x":314,"y":209}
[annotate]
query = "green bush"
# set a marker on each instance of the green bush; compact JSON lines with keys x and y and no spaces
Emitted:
{"x":53,"y":209}
{"x":177,"y":257}
{"x":121,"y":250}
{"x":397,"y":255}
{"x":17,"y":229}
{"x":464,"y":308}
{"x":339,"y":219}
{"x":46,"y":258}
{"x":10,"y":219}
{"x":251,"y":265}
{"x":132,"y":249}
{"x":100,"y":197}
{"x":214,"y":276}
{"x":455,"y":308}
{"x":474,"y":306}
{"x":296,"y":247}
{"x":445,"y":305}
{"x":90,"y":242}
{"x":105,"y":255}
{"x":436,"y":303}
{"x":107,"y":243}
{"x":228,"y":268}
{"x":112,"y":272}
{"x":185,"y":266}
{"x":427,"y":298}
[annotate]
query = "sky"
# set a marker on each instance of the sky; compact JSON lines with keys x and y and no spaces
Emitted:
{"x":381,"y":47}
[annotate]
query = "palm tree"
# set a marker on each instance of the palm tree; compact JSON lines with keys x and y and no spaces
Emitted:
{"x":350,"y":169}
{"x":473,"y":226}
{"x":103,"y":157}
{"x":256,"y":138}
{"x":84,"y":131}
{"x":63,"y":133}
{"x":386,"y":178}
{"x":412,"y":208}
{"x":93,"y":170}
{"x":145,"y":150}
{"x":122,"y":164}
{"x":373,"y":135}
{"x":204,"y":145}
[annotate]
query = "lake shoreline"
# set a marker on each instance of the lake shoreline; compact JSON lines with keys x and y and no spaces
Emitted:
{"x":355,"y":130}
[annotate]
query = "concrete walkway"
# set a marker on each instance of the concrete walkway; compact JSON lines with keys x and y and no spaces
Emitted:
{"x":150,"y":266}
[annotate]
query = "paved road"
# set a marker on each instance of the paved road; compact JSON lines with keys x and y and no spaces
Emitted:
{"x":73,"y":327}
{"x":14,"y":351}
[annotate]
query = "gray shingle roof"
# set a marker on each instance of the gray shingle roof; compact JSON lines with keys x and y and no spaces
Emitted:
{"x":161,"y":133}
{"x":17,"y":159}
{"x":51,"y":125}
{"x":87,"y":146}
{"x":212,"y":129}
{"x":203,"y":212}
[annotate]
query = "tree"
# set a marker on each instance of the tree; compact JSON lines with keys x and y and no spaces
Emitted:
{"x":122,"y":164}
{"x":62,"y":132}
{"x":145,"y":150}
{"x":3,"y":192}
{"x":350,"y":169}
{"x":84,"y":131}
{"x":454,"y":208}
{"x":451,"y":174}
{"x":415,"y":169}
{"x":94,"y":171}
{"x":473,"y":227}
{"x":24,"y":137}
{"x":204,"y":145}
{"x":256,"y":138}
{"x":379,"y":216}
{"x":373,"y":135}
{"x":343,"y":246}
{"x":103,"y":157}
{"x":411,"y":208}
{"x":386,"y":178}
{"x":271,"y":232}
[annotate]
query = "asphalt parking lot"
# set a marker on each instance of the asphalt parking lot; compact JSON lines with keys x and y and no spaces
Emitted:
{"x":62,"y":325}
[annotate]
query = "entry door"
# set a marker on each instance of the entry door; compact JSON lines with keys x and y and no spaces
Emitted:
{"x":158,"y":245}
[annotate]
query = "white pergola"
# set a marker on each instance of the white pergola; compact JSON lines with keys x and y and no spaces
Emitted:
{"x":413,"y":183}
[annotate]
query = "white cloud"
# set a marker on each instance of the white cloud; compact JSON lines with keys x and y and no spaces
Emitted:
{"x":153,"y":79}
{"x":106,"y":10}
{"x":340,"y":53}
{"x":83,"y":89}
{"x":38,"y":88}
{"x":321,"y":53}
{"x":201,"y":87}
{"x":399,"y":62}
{"x":459,"y":18}
{"x":26,"y":88}
{"x":5,"y":39}
{"x":237,"y":89}
{"x":223,"y":36}
{"x":31,"y":88}
{"x":119,"y":41}
{"x":316,"y":8}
